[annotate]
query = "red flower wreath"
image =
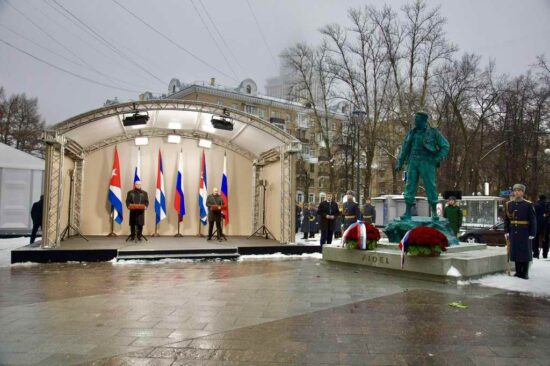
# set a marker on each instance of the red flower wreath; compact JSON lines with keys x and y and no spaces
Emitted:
{"x":427,"y":236}
{"x":372,"y":232}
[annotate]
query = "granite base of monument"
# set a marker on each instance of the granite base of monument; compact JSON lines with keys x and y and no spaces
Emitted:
{"x":461,"y":262}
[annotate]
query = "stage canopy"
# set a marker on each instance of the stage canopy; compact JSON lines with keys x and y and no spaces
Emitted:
{"x":79,"y":160}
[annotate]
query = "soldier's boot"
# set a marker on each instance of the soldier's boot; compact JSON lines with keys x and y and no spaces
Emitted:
{"x":435,"y":217}
{"x":525,"y":270}
{"x":407,"y":214}
{"x":518,"y":269}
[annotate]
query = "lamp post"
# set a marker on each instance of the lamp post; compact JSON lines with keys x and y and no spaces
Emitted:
{"x":359,"y":115}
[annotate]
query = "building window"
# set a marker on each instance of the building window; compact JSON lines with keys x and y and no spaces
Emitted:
{"x":300,"y":197}
{"x":303,"y":120}
{"x":261,"y":112}
{"x":311,"y":198}
{"x":248,"y":89}
{"x":251,"y":109}
{"x":322,"y":196}
{"x":305,"y":149}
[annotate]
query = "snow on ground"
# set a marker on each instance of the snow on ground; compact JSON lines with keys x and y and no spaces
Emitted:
{"x":538,"y":283}
{"x":6,"y":245}
{"x":280,"y":256}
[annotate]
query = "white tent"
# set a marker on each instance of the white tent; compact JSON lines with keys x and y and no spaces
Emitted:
{"x":21,"y":178}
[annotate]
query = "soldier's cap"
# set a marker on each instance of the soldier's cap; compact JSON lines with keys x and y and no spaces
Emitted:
{"x":451,"y":198}
{"x":519,"y":186}
{"x":423,"y":113}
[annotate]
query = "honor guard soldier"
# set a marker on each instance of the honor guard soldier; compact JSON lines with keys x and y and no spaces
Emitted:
{"x":520,"y":227}
{"x":351,"y":211}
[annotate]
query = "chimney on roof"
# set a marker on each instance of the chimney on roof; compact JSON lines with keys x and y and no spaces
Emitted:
{"x":212,"y":81}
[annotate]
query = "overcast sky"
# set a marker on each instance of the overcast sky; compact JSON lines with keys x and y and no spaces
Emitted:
{"x":510,"y":31}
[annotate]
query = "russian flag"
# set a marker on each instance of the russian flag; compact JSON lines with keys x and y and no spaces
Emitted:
{"x":404,"y":244}
{"x":115,"y":197}
{"x":225,"y":191}
{"x":137,"y":170}
{"x":179,"y":196}
{"x":160,"y":197}
{"x":203,"y":189}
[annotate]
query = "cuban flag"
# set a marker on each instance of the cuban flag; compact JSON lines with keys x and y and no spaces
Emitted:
{"x":160,"y":197}
{"x":203,"y":189}
{"x":225,"y":190}
{"x":137,"y":170}
{"x":404,"y":244}
{"x":115,"y":197}
{"x":179,"y":197}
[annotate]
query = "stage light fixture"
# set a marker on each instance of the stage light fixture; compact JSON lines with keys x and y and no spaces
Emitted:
{"x":205,"y":143}
{"x":141,"y":140}
{"x":222,"y":122}
{"x":135,"y":119}
{"x":174,"y":139}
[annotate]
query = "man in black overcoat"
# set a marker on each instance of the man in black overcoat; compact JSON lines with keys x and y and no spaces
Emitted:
{"x":137,"y":217}
{"x":327,"y":211}
{"x":520,"y":227}
{"x":36,"y":216}
{"x":214,"y":202}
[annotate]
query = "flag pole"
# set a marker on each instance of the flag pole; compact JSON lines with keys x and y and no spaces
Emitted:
{"x":112,"y":233}
{"x":155,"y":234}
{"x":178,"y":235}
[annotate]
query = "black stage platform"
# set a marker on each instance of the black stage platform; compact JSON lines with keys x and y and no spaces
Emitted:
{"x":101,"y":248}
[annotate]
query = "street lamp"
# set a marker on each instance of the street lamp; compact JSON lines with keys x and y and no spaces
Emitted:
{"x":359,"y":115}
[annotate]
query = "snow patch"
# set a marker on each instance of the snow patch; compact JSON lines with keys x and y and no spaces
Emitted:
{"x":453,"y":272}
{"x":538,"y":283}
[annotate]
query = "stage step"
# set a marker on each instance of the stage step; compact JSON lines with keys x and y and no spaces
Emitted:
{"x":189,"y":254}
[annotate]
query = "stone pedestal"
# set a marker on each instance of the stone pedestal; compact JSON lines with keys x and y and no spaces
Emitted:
{"x":461,"y":262}
{"x":397,"y":228}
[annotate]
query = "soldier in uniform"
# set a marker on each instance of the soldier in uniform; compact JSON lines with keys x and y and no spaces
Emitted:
{"x":351,"y":211}
{"x":137,"y":217}
{"x":520,"y":227}
{"x":370,"y":212}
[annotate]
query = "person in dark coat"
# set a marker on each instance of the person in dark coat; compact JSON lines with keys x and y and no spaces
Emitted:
{"x":137,"y":196}
{"x":298,"y":217}
{"x":351,"y":212}
{"x":338,"y":223}
{"x":369,"y":212}
{"x":453,"y":213}
{"x":314,"y":220}
{"x":307,"y":223}
{"x":214,"y":202}
{"x":520,"y":227}
{"x":328,"y":211}
{"x":36,"y":216}
{"x":538,"y":242}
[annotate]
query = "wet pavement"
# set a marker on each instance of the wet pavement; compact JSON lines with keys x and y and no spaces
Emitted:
{"x":259,"y":312}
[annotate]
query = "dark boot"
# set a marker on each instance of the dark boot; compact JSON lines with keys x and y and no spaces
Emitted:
{"x":407,"y":214}
{"x":525,"y":270}
{"x":434,"y":212}
{"x":518,"y":269}
{"x":132,"y":233}
{"x":139,"y":232}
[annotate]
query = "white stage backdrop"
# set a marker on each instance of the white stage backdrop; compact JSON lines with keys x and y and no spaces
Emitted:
{"x":97,"y":173}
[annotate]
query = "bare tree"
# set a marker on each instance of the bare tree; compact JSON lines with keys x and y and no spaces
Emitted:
{"x":313,"y":85}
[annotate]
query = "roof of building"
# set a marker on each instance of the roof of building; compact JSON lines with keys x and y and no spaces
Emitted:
{"x":16,"y":159}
